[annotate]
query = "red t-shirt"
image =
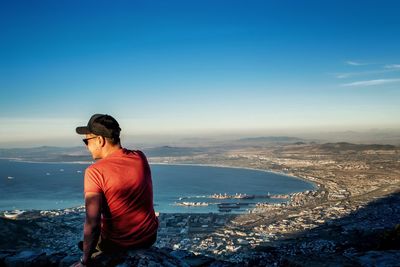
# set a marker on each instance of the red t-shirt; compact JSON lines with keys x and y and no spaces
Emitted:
{"x":124,"y":179}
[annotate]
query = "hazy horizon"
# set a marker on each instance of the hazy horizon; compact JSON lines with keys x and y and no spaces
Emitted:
{"x":369,"y":136}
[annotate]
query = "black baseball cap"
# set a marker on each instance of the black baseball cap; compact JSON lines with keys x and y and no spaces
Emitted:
{"x":101,"y":124}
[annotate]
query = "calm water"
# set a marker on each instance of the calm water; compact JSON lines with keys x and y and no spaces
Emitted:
{"x":60,"y":185}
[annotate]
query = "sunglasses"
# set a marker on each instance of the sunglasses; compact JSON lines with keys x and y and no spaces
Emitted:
{"x":86,"y":140}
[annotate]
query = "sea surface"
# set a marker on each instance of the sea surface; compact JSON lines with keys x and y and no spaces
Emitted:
{"x":48,"y":186}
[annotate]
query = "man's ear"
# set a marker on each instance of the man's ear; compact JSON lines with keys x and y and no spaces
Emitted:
{"x":102,"y":141}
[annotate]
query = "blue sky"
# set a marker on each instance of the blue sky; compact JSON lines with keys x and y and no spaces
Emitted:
{"x":196,"y":67}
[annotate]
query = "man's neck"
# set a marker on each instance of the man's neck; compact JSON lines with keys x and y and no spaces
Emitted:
{"x":109,"y":149}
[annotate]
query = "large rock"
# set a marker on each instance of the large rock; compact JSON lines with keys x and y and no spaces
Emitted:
{"x":148,"y":257}
{"x":389,"y":258}
{"x":27,"y":258}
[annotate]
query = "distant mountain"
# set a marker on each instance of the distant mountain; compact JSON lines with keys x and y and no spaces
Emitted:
{"x":357,"y":147}
{"x":80,"y":154}
{"x":47,"y":154}
{"x":271,"y":139}
{"x":374,"y":136}
{"x":74,"y":154}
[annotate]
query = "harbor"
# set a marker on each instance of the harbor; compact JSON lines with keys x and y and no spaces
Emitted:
{"x":236,"y":203}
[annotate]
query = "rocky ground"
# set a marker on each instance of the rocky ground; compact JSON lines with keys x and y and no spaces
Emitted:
{"x":352,"y":219}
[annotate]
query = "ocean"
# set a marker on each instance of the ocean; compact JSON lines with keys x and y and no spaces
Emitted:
{"x":177,"y":188}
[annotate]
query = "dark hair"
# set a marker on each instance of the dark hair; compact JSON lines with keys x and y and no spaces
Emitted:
{"x":114,"y":140}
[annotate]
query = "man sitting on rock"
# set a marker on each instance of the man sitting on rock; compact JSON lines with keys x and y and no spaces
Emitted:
{"x":118,"y":193}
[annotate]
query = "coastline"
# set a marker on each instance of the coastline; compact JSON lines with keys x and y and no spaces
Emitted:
{"x":316,"y":186}
{"x":163,"y":163}
{"x":242,"y":211}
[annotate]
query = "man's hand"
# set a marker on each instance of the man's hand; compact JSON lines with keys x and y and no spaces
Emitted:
{"x":78,"y":264}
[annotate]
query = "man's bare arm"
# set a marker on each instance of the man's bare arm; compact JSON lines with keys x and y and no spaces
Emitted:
{"x":91,"y":230}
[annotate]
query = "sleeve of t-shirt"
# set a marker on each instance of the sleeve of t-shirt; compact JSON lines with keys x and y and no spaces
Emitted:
{"x":92,"y":181}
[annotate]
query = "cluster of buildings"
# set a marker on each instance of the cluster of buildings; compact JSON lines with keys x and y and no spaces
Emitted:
{"x":210,"y":234}
{"x":224,"y":235}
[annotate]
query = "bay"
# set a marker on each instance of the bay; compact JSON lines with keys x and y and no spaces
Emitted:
{"x":46,"y":186}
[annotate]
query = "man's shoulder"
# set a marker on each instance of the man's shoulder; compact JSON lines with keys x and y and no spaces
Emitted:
{"x":124,"y":154}
{"x":130,"y":151}
{"x":94,"y":168}
{"x":98,"y":166}
{"x":133,"y":153}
